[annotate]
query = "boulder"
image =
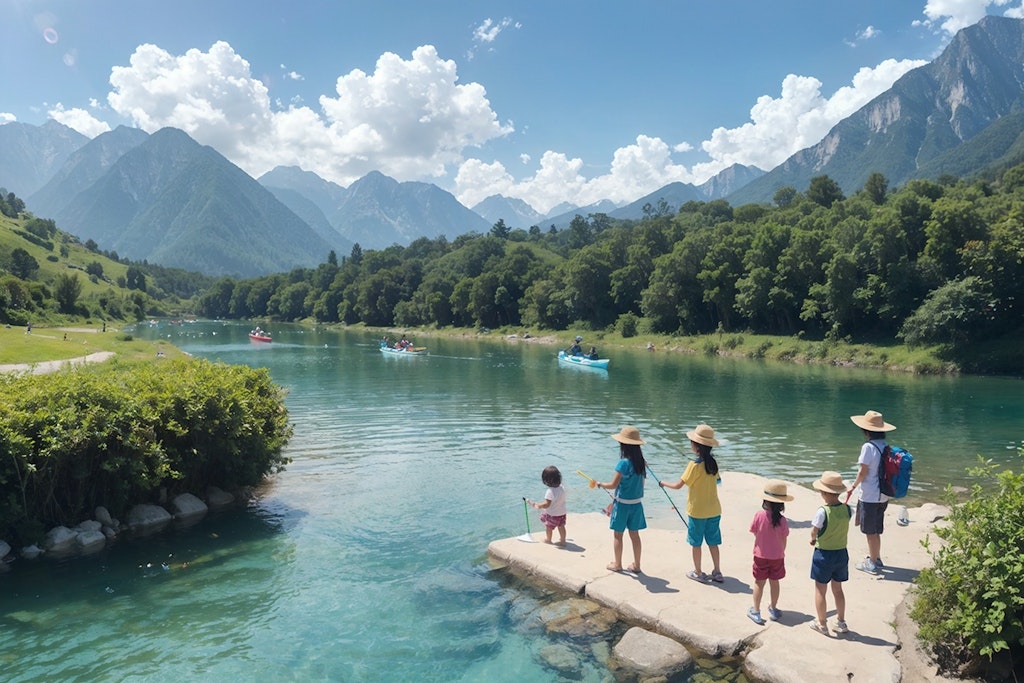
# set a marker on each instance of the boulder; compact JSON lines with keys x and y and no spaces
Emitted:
{"x":102,"y":516}
{"x":148,"y":519}
{"x":218,"y":499}
{"x":90,"y":542}
{"x":5,"y":549}
{"x":578,"y":618}
{"x":31,"y":552}
{"x":188,"y":509}
{"x":562,"y":659}
{"x":59,"y":541}
{"x":651,"y":654}
{"x":88,"y":525}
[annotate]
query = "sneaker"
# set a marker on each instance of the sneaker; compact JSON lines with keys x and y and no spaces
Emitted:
{"x":755,"y":616}
{"x":774,"y":614}
{"x":820,"y":628}
{"x":878,"y":563}
{"x":867,"y":566}
{"x":841,"y":626}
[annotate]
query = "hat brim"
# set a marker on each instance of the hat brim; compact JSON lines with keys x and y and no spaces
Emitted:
{"x":820,"y":486}
{"x":694,"y":436}
{"x":631,"y":442}
{"x":864,"y":424}
{"x":771,"y":497}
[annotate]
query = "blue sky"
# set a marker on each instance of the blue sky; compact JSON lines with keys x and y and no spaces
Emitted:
{"x":546,"y":101}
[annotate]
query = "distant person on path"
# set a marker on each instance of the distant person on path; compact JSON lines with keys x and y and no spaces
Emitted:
{"x":553,"y":506}
{"x":872,"y":503}
{"x":831,"y":562}
{"x":770,"y":529}
{"x":575,"y":349}
{"x":28,"y":329}
{"x":702,"y":506}
{"x":627,"y":508}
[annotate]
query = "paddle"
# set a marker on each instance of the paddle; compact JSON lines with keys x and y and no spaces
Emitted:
{"x":526,"y":538}
{"x":668,"y":496}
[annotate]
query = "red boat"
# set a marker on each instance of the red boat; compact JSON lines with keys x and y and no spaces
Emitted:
{"x":260,"y":335}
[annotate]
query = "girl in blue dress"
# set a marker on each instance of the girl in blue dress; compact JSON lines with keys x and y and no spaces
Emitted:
{"x":627,"y":509}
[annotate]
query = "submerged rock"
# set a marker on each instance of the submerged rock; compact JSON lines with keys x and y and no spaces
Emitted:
{"x":148,"y":519}
{"x":562,"y":659}
{"x":217,"y":498}
{"x":651,"y":654}
{"x":578,"y":618}
{"x":188,"y":509}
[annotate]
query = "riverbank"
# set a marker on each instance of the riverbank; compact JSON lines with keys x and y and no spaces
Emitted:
{"x":893,"y":357}
{"x":712,"y":618}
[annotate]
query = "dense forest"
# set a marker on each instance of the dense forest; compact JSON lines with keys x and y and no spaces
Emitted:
{"x":50,"y":276}
{"x":930,"y":263}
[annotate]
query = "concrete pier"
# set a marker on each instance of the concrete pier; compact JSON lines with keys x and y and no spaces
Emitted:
{"x":712,"y":618}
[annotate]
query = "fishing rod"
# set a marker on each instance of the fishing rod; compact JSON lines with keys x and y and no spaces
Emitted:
{"x":593,"y":485}
{"x":668,"y":496}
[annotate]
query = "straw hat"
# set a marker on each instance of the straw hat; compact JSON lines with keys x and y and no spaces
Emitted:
{"x":630,"y":435}
{"x":775,"y":491}
{"x":703,"y":434}
{"x":872,"y":421}
{"x":830,"y":482}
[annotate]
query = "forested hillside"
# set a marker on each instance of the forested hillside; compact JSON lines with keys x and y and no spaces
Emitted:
{"x":50,"y":276}
{"x":929,"y":263}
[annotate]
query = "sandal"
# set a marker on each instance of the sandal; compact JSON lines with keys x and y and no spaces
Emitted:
{"x":717,"y":577}
{"x":611,"y":567}
{"x":633,"y":569}
{"x":702,"y":577}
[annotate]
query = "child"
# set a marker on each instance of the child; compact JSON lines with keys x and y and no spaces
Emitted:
{"x":627,"y":513}
{"x":553,"y":506}
{"x":831,"y":560}
{"x":770,"y":529}
{"x":702,"y":507}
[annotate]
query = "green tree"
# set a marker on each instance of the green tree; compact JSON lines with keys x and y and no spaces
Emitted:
{"x":824,"y":191}
{"x":784,"y":196}
{"x":500,"y":230}
{"x":876,"y":188}
{"x":66,"y":290}
{"x":23,"y":264}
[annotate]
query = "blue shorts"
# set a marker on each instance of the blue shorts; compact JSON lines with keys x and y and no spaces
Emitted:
{"x":628,"y":516}
{"x":708,"y":529}
{"x":830,"y":565}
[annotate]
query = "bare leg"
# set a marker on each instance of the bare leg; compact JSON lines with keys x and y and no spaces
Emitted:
{"x":758,"y":592}
{"x":840,"y":597}
{"x":547,"y":534}
{"x":561,"y":535}
{"x":819,"y":601}
{"x":696,"y":559}
{"x":616,"y":565}
{"x":634,"y":537}
{"x":874,"y":546}
{"x":713,"y":549}
{"x":773,"y":587}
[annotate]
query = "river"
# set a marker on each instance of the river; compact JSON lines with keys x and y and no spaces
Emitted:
{"x":365,"y":560}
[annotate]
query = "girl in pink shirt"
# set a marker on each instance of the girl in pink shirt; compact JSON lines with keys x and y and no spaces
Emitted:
{"x":770,"y":530}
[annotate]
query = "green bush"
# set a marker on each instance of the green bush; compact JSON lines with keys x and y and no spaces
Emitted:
{"x":970,"y":603}
{"x":114,"y":434}
{"x":627,"y":324}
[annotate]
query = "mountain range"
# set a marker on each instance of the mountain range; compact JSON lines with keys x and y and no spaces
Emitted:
{"x":167,"y":199}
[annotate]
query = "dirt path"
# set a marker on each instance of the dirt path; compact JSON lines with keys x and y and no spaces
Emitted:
{"x":46,"y":367}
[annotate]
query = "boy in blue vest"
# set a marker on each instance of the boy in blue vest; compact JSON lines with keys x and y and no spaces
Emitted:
{"x":831,"y":561}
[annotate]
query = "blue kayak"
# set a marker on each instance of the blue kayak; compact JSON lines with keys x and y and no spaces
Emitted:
{"x":582,"y":361}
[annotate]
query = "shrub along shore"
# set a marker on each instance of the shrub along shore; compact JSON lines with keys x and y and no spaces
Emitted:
{"x":127,"y":432}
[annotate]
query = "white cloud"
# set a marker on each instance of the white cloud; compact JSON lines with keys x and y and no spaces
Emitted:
{"x":407,"y":119}
{"x":799,"y":118}
{"x":6,"y":117}
{"x":78,"y":119}
{"x":953,"y":15}
{"x":489,"y":30}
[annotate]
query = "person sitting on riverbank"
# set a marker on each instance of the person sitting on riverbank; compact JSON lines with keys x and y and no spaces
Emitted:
{"x":831,"y":561}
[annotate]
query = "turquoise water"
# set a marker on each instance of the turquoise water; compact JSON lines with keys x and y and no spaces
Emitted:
{"x":366,"y":559}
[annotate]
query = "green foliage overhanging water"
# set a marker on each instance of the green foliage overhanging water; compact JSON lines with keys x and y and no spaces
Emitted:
{"x":114,"y":434}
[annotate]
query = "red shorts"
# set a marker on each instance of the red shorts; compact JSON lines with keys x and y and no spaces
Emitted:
{"x":551,"y":522}
{"x":769,"y":569}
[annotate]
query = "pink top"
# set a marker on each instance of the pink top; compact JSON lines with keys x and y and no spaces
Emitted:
{"x":769,"y":540}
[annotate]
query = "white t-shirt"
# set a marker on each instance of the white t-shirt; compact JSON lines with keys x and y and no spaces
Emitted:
{"x":557,"y":497}
{"x":871,"y":455}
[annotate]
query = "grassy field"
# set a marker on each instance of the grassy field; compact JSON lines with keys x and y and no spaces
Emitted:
{"x":63,"y":343}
